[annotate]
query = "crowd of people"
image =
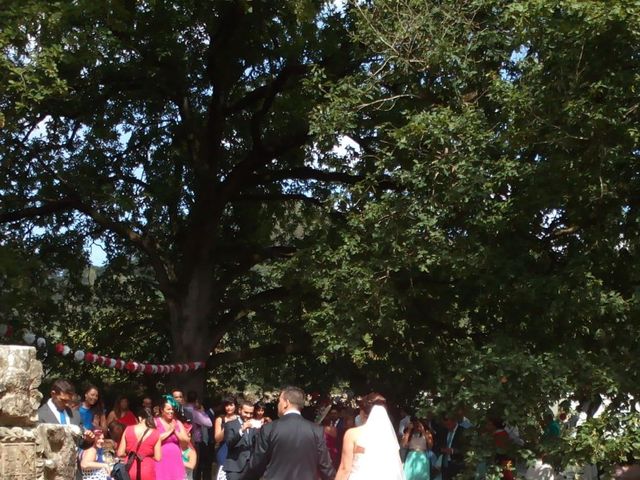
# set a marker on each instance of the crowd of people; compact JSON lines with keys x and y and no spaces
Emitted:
{"x":178,"y":437}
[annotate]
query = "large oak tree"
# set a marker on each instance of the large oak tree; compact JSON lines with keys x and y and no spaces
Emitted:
{"x":175,"y":135}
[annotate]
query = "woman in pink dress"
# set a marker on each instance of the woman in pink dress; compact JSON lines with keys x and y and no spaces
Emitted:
{"x":147,"y":436}
{"x":174,"y":439}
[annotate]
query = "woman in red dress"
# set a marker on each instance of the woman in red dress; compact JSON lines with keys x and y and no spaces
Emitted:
{"x":121,"y":413}
{"x":144,"y":434}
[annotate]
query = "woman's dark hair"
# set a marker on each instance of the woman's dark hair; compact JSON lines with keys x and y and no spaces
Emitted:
{"x":228,"y":401}
{"x":116,"y":405}
{"x":98,"y":407}
{"x":147,"y":416}
{"x":371,"y":400}
{"x":259,"y":406}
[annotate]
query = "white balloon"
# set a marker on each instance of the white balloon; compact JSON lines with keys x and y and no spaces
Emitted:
{"x":29,"y":337}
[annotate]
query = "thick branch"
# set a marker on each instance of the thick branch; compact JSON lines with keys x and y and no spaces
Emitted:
{"x":143,"y":242}
{"x":244,"y":258}
{"x":223,"y":69}
{"x":256,"y":158}
{"x":54,"y":206}
{"x":241,"y":309}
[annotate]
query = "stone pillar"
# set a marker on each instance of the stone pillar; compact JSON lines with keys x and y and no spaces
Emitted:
{"x":29,"y":451}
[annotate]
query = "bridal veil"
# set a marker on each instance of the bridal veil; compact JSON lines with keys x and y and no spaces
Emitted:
{"x":381,"y":457}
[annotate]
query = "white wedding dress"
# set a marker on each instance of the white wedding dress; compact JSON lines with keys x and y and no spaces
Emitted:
{"x":380,"y":459}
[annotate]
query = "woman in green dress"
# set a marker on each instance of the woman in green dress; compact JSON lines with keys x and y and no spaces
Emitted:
{"x":420,"y":458}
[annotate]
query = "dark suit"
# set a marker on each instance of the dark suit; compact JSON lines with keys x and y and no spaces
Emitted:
{"x":455,"y":464}
{"x":239,"y":448}
{"x":45,"y":415}
{"x":290,"y":448}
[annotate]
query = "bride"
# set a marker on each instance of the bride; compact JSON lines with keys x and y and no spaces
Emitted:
{"x":371,"y":450}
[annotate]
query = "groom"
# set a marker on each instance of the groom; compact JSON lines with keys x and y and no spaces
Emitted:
{"x":291,"y":448}
{"x":238,"y":435}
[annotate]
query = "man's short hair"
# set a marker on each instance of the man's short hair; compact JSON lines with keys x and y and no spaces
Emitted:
{"x":241,"y":402}
{"x":294,"y":395}
{"x":62,"y":386}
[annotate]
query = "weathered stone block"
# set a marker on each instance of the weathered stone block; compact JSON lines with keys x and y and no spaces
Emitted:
{"x":18,"y":461}
{"x":18,"y":453}
{"x":57,"y":447}
{"x":20,"y":376}
{"x":29,"y":451}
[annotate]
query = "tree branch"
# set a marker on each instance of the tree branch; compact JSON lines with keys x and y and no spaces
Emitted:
{"x":257,"y":300}
{"x":223,"y":70}
{"x":309,"y":173}
{"x":562,"y":232}
{"x":268,"y":91}
{"x":54,"y":206}
{"x":243,"y":258}
{"x":276,"y":197}
{"x":262,"y":351}
{"x":244,"y":169}
{"x":275,"y":87}
{"x":240,"y":309}
{"x":142,"y":242}
{"x":73,"y":202}
{"x":249,"y":252}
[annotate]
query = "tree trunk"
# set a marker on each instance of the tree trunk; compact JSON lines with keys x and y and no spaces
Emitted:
{"x":190,"y":329}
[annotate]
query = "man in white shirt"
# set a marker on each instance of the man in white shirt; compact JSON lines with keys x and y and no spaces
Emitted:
{"x":451,"y":446}
{"x":57,"y":409}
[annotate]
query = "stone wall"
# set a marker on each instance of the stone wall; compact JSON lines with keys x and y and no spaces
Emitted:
{"x":29,"y":451}
{"x":20,"y":376}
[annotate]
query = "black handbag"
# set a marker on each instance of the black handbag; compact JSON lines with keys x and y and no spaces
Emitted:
{"x":120,"y":472}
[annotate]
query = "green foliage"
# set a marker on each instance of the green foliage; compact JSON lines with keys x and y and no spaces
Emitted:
{"x":476,"y":244}
{"x":495,"y":269}
{"x":174,"y":135}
